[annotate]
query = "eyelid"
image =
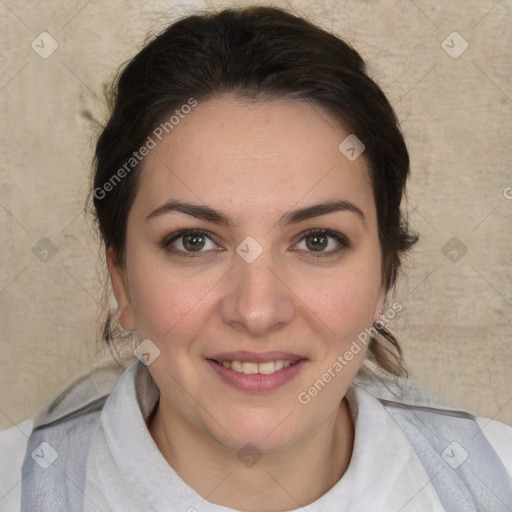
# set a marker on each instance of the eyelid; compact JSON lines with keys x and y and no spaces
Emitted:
{"x":342,"y":240}
{"x":166,"y":242}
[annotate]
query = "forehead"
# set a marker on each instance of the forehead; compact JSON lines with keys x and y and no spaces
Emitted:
{"x":258,"y":155}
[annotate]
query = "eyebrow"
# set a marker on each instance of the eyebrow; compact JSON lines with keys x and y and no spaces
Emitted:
{"x":209,"y":214}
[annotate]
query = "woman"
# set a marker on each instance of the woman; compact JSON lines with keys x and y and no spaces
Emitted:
{"x":247,"y":188}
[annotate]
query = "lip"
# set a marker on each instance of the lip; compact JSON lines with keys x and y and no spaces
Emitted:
{"x":255,"y":357}
{"x":257,"y":383}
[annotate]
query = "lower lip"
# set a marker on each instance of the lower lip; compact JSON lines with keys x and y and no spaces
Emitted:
{"x":257,"y":382}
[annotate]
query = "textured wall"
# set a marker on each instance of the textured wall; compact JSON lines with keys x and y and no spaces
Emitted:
{"x":455,"y":109}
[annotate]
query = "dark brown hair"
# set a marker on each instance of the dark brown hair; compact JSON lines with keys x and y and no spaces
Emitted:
{"x":259,"y":53}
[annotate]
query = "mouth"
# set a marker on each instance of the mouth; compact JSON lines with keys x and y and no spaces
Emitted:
{"x":256,"y":372}
{"x":253,"y":368}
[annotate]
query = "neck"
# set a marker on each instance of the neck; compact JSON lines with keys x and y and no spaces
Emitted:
{"x":284,"y":480}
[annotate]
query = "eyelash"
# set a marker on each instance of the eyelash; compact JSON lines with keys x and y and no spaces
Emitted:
{"x":166,"y":242}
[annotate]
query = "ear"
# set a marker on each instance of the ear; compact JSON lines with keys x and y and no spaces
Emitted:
{"x":380,"y":303}
{"x":121,"y":290}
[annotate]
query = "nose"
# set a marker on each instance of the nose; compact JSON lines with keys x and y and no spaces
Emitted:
{"x":257,"y":300}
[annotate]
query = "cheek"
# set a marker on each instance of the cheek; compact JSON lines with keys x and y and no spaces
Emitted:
{"x":166,"y":301}
{"x":345,"y":301}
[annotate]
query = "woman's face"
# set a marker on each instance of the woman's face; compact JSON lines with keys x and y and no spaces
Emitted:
{"x":248,"y":283}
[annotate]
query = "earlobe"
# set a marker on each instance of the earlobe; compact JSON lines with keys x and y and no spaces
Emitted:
{"x":125,"y":315}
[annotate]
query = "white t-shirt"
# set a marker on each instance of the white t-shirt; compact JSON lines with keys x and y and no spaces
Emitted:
{"x":126,"y":472}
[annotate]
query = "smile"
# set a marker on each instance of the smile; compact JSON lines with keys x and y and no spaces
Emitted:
{"x":251,"y":368}
{"x":252,"y":376}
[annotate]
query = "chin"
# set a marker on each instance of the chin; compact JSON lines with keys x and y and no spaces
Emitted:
{"x":268,"y":430}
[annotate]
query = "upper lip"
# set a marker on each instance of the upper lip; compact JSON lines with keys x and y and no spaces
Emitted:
{"x":255,"y":357}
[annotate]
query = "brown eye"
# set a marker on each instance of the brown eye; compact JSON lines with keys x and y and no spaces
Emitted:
{"x":317,"y":242}
{"x":188,"y":243}
{"x":323,"y":242}
{"x":193,"y":242}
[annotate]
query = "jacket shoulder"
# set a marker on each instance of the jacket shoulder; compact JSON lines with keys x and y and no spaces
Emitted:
{"x":499,"y":436}
{"x":81,"y":394}
{"x":74,"y":405}
{"x":13,"y":447}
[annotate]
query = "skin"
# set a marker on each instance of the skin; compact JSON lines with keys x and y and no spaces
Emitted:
{"x":254,"y":161}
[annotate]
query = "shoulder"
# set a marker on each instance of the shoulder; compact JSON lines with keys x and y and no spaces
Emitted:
{"x":13,"y":447}
{"x":418,"y":407}
{"x":70,"y":408}
{"x":499,"y":436}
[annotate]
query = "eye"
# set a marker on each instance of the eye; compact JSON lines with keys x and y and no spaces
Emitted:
{"x":187,"y":242}
{"x":193,"y":242}
{"x":318,"y":240}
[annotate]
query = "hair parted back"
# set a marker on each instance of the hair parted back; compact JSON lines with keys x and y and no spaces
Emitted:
{"x":257,"y":53}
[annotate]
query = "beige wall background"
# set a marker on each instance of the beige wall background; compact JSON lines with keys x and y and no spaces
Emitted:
{"x":455,"y":109}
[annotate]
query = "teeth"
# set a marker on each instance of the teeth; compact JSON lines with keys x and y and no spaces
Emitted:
{"x":253,"y":368}
{"x":250,"y":368}
{"x":266,"y":368}
{"x":236,"y":365}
